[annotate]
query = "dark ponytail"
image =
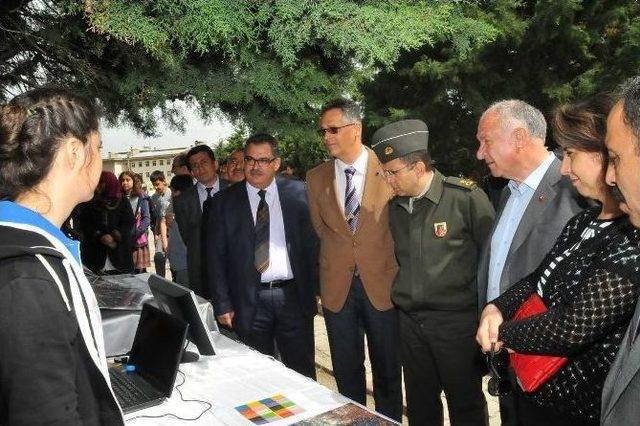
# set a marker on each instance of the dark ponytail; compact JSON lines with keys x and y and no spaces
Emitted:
{"x":32,"y":126}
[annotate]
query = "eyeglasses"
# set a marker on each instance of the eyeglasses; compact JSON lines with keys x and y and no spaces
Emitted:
{"x":498,"y":361}
{"x":333,"y":129}
{"x":389,"y":173}
{"x":262,"y":162}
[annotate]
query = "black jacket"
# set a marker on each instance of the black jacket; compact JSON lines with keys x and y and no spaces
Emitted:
{"x":234,"y":281}
{"x":192,"y":219}
{"x":47,"y":375}
{"x":591,"y":296}
{"x":94,"y":221}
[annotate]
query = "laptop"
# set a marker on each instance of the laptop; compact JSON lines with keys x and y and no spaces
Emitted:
{"x":155,"y":355}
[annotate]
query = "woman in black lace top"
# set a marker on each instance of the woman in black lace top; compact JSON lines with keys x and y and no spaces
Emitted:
{"x":589,"y":282}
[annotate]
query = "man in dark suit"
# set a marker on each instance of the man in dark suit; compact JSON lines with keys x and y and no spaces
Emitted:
{"x":262,"y":259}
{"x":188,"y":209}
{"x":534,"y":206}
{"x":621,"y":392}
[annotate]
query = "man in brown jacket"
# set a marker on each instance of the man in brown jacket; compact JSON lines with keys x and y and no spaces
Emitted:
{"x":348,"y":204}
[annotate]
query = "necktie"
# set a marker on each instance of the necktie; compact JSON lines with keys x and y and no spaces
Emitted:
{"x":351,"y":204}
{"x":261,"y":259}
{"x":208,"y":191}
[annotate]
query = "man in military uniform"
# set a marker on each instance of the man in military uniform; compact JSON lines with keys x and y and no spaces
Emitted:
{"x":439,"y":225}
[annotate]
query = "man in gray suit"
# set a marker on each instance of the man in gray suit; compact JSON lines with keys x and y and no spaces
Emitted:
{"x":190,"y":209}
{"x":621,"y":393}
{"x":534,"y":206}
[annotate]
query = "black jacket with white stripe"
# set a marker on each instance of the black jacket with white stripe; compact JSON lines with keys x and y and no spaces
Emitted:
{"x":47,"y":375}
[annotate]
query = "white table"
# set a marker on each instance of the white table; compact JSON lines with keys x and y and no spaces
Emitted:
{"x":235,"y":376}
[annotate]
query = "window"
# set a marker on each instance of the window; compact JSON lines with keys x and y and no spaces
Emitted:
{"x":146,"y":163}
{"x":154,"y":163}
{"x":147,"y":174}
{"x":140,"y":164}
{"x":162,"y":162}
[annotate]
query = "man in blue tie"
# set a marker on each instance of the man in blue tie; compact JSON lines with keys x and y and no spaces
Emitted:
{"x":348,"y":202}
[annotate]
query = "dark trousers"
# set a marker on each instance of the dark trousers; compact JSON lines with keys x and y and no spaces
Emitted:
{"x":508,"y":406}
{"x":532,"y":414}
{"x":440,"y":353}
{"x":160,"y":263}
{"x":346,"y":331}
{"x":279,"y":320}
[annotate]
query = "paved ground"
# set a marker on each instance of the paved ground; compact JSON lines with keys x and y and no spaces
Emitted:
{"x":325,"y":375}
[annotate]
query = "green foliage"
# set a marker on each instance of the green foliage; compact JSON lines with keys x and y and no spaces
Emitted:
{"x":268,"y":64}
{"x":549,"y":52}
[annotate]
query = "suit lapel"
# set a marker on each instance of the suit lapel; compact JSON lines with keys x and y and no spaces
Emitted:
{"x":369,"y":191}
{"x":244,"y":215}
{"x":627,"y":363}
{"x":288,"y":212}
{"x":543,"y":195}
{"x":335,"y":210}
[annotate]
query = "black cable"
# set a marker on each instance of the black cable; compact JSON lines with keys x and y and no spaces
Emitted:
{"x":171,"y":415}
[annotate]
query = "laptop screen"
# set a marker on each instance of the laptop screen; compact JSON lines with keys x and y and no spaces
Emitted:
{"x":157,"y":348}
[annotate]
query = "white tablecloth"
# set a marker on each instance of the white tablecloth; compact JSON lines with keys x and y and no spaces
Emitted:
{"x":119,"y":326}
{"x":235,"y":376}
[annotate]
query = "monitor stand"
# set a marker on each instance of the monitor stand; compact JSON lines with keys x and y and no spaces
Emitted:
{"x":188,"y":356}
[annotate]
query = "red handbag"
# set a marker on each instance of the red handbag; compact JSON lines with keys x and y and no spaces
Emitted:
{"x":533,"y":371}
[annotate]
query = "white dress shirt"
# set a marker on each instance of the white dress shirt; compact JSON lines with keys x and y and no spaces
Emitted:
{"x":279,"y":264}
{"x":202,"y":191}
{"x":358,"y":177}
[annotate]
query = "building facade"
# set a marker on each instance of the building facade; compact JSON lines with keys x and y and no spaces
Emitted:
{"x":143,"y":161}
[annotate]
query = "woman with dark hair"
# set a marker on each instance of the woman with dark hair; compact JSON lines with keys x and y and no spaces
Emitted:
{"x":105,"y":224}
{"x":139,"y":202}
{"x":588,"y":283}
{"x":52,"y":361}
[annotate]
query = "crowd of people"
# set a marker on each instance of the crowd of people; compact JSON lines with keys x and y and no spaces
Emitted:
{"x":429,"y":268}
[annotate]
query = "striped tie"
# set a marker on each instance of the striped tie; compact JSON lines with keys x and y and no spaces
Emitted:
{"x":351,"y":204}
{"x":261,"y":259}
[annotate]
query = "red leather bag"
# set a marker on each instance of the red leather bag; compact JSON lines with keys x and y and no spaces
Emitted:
{"x":533,"y":371}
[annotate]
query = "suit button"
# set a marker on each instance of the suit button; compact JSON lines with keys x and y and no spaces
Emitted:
{"x":355,"y":244}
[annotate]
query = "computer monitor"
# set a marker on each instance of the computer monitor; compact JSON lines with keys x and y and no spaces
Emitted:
{"x":181,"y":302}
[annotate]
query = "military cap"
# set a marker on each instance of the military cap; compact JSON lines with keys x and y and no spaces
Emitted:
{"x":399,"y":139}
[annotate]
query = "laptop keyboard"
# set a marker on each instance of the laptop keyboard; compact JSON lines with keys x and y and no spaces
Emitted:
{"x":127,"y":391}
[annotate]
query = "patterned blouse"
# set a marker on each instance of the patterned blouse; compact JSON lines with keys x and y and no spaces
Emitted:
{"x":590,"y":281}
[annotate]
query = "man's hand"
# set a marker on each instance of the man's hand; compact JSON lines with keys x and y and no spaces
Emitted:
{"x":490,"y":321}
{"x":226,"y":319}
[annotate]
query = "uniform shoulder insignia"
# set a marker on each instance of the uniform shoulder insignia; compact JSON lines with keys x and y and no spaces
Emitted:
{"x":461,"y":182}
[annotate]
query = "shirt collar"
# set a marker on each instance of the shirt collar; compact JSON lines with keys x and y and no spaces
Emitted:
{"x":533,"y":180}
{"x":360,"y":164}
{"x":427,"y":186}
{"x":15,"y":213}
{"x":215,"y":186}
{"x":272,"y":190}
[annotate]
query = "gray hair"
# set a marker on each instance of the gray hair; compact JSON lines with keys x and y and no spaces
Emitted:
{"x":515,"y":110}
{"x":351,"y":111}
{"x":630,"y":98}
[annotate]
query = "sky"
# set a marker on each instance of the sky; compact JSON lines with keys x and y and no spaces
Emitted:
{"x":122,"y":138}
